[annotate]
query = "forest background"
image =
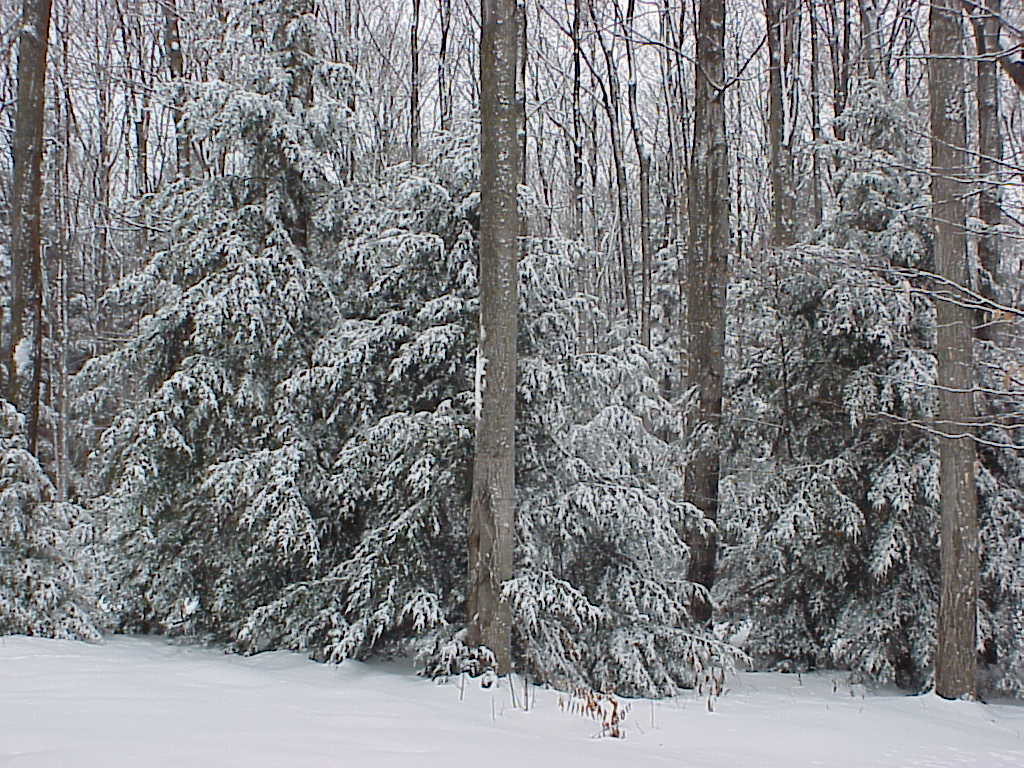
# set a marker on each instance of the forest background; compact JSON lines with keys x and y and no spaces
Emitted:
{"x":240,"y":350}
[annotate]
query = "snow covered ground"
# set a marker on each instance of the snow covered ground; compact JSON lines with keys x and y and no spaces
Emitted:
{"x":144,"y":703}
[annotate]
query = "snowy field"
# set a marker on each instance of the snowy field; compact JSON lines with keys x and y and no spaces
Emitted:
{"x":143,"y":703}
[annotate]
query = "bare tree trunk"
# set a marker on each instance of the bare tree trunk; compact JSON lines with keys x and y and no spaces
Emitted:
{"x":955,"y":659}
{"x":543,"y":170}
{"x":351,"y":14}
{"x":644,"y":159}
{"x":62,"y":238}
{"x":521,"y":98}
{"x":611,"y":98}
{"x":35,"y":399}
{"x":492,"y":511}
{"x":414,"y":85}
{"x":706,"y":280}
{"x":576,"y":188}
{"x":176,"y":63}
{"x":838,"y":39}
{"x":782,"y":199}
{"x":984,"y":17}
{"x":816,"y":201}
{"x":300,"y":91}
{"x":26,"y":196}
{"x":444,"y":93}
{"x":870,"y":45}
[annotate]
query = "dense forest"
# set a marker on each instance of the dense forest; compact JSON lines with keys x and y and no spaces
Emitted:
{"x":621,"y":343}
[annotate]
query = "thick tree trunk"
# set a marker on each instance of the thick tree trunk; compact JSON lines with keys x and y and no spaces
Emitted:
{"x":26,"y":195}
{"x":706,"y":279}
{"x":955,"y":658}
{"x":492,"y":511}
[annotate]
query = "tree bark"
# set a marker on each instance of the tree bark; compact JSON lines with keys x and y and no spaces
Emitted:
{"x":986,"y":24}
{"x":955,"y":659}
{"x":176,"y":63}
{"x":444,"y":93}
{"x":492,"y":510}
{"x":816,"y":200}
{"x":706,"y":281}
{"x":644,"y":181}
{"x":611,"y":99}
{"x":414,"y":85}
{"x":576,"y":188}
{"x":838,"y":39}
{"x":782,"y":199}
{"x":870,"y":44}
{"x":297,"y":49}
{"x":26,"y":196}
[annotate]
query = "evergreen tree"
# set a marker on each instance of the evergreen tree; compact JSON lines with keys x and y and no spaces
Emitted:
{"x":214,"y":495}
{"x":598,"y":595}
{"x":833,"y":528}
{"x":44,"y":589}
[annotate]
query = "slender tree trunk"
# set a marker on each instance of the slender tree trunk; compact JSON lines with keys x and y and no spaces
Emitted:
{"x":414,"y":85}
{"x":444,"y":93}
{"x":611,"y":99}
{"x":62,"y":240}
{"x":838,"y":14}
{"x":782,"y":209}
{"x":644,"y":181}
{"x":297,"y":48}
{"x":985,"y":21}
{"x":521,"y":22}
{"x":35,"y":399}
{"x":492,"y":511}
{"x":351,"y":15}
{"x":870,"y":44}
{"x":706,"y":280}
{"x":176,"y":63}
{"x":27,"y":193}
{"x":576,"y":188}
{"x":543,"y":170}
{"x":816,"y":202}
{"x":955,"y":658}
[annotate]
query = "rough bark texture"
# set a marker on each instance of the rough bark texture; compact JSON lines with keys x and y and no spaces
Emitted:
{"x":492,"y":511}
{"x":985,"y":20}
{"x":706,"y":278}
{"x":955,"y":659}
{"x":27,"y":191}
